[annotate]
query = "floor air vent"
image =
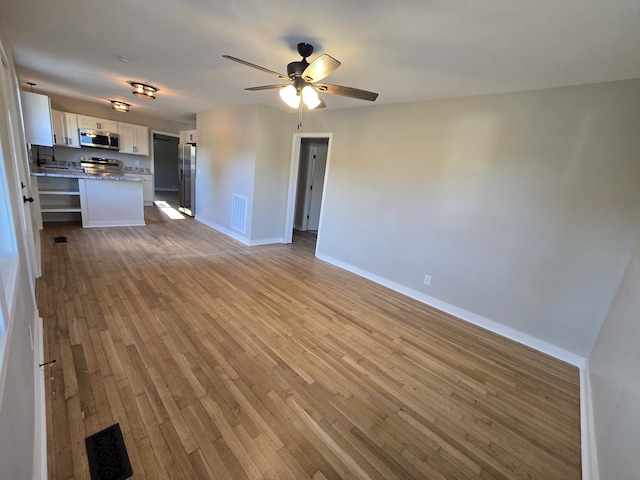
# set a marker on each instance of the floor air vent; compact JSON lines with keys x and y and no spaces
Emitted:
{"x":239,"y":213}
{"x":59,"y":239}
{"x":107,"y":455}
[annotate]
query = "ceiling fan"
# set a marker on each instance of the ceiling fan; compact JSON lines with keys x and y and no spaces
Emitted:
{"x":303,"y":77}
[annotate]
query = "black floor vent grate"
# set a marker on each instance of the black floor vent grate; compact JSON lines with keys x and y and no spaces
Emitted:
{"x":107,"y":454}
{"x":59,"y":239}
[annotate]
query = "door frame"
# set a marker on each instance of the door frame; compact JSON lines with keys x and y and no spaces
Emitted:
{"x":296,"y":147}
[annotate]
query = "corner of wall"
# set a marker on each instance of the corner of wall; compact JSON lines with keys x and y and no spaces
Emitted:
{"x":40,"y":471}
{"x":587,"y":430}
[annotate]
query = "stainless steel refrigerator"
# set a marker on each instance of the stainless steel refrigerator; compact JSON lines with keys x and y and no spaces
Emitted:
{"x":187,"y":179}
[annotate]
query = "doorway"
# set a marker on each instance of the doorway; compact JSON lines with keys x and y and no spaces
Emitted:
{"x":311,"y":171}
{"x":309,"y":166}
{"x":165,"y":168}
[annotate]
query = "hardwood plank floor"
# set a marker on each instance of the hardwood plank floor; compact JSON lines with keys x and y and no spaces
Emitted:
{"x":222,"y":361}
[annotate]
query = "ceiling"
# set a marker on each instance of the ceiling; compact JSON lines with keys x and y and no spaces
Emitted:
{"x":406,"y":51}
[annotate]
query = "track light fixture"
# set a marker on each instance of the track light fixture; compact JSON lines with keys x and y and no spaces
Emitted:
{"x":145,"y":91}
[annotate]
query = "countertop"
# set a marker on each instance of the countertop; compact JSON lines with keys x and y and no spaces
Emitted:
{"x":78,"y":173}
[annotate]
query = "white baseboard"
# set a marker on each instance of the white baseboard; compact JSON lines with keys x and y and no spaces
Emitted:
{"x":40,"y":420}
{"x":237,"y":236}
{"x":589,"y":453}
{"x":226,"y":231}
{"x":496,"y":327}
{"x":266,"y":241}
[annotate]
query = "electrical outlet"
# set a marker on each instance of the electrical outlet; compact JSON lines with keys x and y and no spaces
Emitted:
{"x":427,"y":279}
{"x":137,"y":162}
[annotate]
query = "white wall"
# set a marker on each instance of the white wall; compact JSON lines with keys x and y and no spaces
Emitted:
{"x":244,"y":151}
{"x":271,"y":175}
{"x":614,"y":365}
{"x":225,"y":159}
{"x":522,"y":207}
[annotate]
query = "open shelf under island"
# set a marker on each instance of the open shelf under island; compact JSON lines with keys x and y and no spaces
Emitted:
{"x":96,"y":200}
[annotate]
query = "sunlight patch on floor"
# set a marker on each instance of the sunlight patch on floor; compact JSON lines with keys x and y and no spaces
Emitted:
{"x":168,"y":210}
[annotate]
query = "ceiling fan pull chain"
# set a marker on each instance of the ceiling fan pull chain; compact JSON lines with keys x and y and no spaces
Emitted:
{"x":300,"y":108}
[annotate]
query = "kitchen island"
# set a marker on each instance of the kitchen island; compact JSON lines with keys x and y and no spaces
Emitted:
{"x":98,"y":200}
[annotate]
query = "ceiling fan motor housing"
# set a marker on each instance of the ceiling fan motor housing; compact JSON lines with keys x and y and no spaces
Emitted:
{"x":295,"y":69}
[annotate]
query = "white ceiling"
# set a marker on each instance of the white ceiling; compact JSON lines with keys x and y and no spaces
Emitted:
{"x":405,"y":50}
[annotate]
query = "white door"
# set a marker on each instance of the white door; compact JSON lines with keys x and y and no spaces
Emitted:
{"x":21,"y":176}
{"x":319,"y":161}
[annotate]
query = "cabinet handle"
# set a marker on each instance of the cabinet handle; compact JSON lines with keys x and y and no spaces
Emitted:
{"x":55,"y":140}
{"x":27,"y":199}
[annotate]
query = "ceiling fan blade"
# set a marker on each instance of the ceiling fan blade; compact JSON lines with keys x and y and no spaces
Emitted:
{"x":322,"y":104}
{"x":267,"y":87}
{"x":258,"y":67}
{"x":320,"y":68}
{"x":346,"y":91}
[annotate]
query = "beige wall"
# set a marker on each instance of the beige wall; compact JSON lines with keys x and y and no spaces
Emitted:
{"x":522,"y":207}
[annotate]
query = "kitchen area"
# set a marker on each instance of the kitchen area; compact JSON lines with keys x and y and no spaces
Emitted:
{"x":96,"y":171}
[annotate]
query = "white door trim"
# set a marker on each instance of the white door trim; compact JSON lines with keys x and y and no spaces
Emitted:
{"x":293,"y":181}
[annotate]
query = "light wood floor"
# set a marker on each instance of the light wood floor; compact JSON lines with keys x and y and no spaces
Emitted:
{"x":221,"y":361}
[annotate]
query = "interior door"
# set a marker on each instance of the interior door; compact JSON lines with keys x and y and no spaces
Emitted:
{"x":19,"y":156}
{"x":319,"y":158}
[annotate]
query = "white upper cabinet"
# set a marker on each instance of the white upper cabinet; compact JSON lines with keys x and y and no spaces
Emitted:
{"x":97,"y":124}
{"x":134,"y":139}
{"x":36,"y":111}
{"x":187,"y":136}
{"x":65,"y":129}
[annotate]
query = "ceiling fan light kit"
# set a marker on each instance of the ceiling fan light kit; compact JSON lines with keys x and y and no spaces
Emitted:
{"x":144,"y":91}
{"x":303,"y":76}
{"x":290,"y":96}
{"x":310,"y":97}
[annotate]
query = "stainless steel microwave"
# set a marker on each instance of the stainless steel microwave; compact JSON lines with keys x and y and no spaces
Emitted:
{"x":99,"y":139}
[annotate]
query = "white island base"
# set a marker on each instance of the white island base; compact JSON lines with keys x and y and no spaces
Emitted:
{"x":111,"y":203}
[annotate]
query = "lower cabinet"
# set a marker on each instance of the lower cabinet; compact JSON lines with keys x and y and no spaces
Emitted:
{"x":111,"y":203}
{"x":148,"y":190}
{"x":95,"y":203}
{"x":59,"y":199}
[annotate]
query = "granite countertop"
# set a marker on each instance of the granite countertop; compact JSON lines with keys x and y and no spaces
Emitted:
{"x":70,"y":172}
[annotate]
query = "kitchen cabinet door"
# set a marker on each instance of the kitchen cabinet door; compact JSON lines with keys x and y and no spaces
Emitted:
{"x":36,"y":111}
{"x":134,"y":139}
{"x":148,"y":192}
{"x":188,"y":136}
{"x":97,"y":123}
{"x":65,"y":129}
